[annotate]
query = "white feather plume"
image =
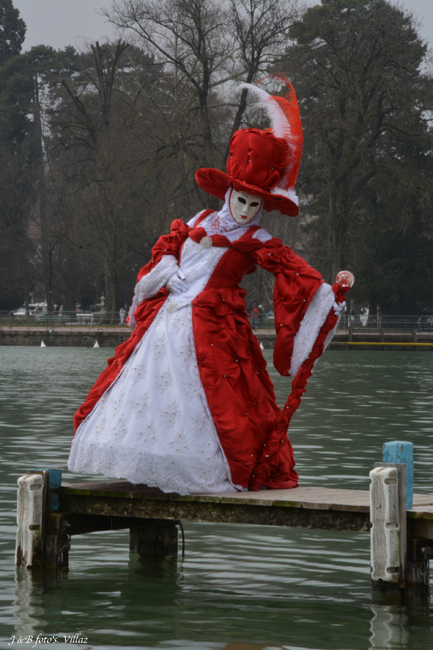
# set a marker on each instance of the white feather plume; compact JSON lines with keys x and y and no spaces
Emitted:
{"x":283,"y":113}
{"x":279,"y":123}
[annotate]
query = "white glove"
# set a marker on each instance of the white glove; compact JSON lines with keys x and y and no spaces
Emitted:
{"x":140,"y":291}
{"x":177,"y":283}
{"x":338,"y":307}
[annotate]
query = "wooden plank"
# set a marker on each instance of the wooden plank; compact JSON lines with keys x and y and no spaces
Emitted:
{"x":300,"y":494}
{"x":267,"y":507}
{"x":239,"y":513}
{"x":302,"y":497}
{"x":422,"y":500}
{"x":421,"y":511}
{"x":385,"y":343}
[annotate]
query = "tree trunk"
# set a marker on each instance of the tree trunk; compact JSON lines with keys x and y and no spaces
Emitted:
{"x":47,"y":262}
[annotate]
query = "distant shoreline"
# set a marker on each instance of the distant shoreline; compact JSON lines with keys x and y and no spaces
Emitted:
{"x":111,"y":337}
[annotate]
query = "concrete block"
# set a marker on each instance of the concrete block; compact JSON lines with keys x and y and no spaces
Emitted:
{"x":385,"y":519}
{"x":30,"y":512}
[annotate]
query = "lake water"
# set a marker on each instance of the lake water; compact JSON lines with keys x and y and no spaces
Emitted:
{"x":237,"y":587}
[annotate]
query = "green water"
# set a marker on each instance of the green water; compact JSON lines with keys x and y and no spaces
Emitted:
{"x":238,"y":587}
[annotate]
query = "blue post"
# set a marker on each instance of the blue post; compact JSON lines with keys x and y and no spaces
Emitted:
{"x":54,"y":482}
{"x":401,"y":452}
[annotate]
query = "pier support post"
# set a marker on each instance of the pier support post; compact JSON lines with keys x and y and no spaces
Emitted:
{"x":419,"y":553}
{"x":399,"y":557}
{"x":401,"y":452}
{"x":30,"y":518}
{"x":155,"y":538}
{"x":388,"y":532}
{"x":36,"y":545}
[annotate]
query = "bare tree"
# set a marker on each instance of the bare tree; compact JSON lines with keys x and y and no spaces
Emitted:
{"x":262,"y":33}
{"x":356,"y":67}
{"x":191,"y":39}
{"x":109,"y":161}
{"x":205,"y":46}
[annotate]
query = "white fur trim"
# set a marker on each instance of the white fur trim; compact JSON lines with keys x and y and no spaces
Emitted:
{"x":314,"y":317}
{"x":132,"y":323}
{"x":289,"y":194}
{"x":151,"y":283}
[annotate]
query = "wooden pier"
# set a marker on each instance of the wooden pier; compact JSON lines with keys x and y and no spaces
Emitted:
{"x":50,"y":512}
{"x":80,"y":336}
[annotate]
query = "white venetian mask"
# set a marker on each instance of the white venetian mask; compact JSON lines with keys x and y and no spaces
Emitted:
{"x":244,"y":207}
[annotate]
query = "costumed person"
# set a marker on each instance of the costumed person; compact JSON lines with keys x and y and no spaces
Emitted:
{"x":186,"y":404}
{"x":254,"y":316}
{"x":260,"y":315}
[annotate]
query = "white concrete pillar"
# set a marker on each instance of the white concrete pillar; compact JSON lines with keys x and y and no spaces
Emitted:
{"x":388,"y":518}
{"x":30,"y":512}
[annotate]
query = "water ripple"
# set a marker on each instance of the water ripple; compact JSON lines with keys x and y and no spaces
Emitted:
{"x":238,"y":587}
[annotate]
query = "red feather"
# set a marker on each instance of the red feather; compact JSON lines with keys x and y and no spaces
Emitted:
{"x":293,"y":133}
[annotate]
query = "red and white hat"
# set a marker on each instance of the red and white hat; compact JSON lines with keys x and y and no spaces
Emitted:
{"x":264,"y":163}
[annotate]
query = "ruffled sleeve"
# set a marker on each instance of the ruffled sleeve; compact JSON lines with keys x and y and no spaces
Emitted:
{"x":167,"y":245}
{"x":165,"y":261}
{"x":305,"y":319}
{"x":302,"y":302}
{"x":166,"y":252}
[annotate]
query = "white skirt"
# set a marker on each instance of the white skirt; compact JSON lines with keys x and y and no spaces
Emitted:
{"x":153,"y":425}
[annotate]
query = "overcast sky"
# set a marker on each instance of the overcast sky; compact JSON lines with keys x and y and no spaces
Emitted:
{"x":75,"y":22}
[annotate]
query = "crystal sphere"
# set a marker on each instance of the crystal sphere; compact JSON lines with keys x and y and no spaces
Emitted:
{"x":345,"y":279}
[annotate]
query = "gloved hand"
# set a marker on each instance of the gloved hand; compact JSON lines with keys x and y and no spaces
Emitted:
{"x":177,"y":283}
{"x":140,"y":292}
{"x":338,"y":307}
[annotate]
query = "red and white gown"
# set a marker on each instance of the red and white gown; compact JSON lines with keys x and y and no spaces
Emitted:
{"x":186,"y":404}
